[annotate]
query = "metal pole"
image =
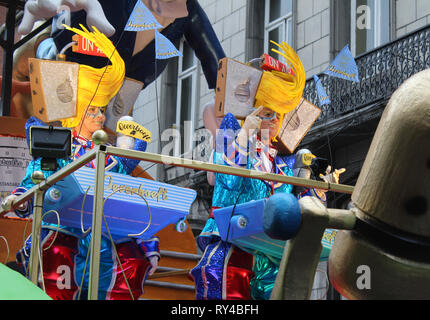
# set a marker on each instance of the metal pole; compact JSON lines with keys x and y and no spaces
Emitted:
{"x":8,"y":59}
{"x":199,"y":165}
{"x":35,"y":237}
{"x":53,"y":179}
{"x":97,"y":225}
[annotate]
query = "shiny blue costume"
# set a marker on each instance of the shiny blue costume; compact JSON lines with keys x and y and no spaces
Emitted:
{"x":228,"y":191}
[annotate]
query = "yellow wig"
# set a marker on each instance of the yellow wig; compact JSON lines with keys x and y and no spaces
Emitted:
{"x":279,"y":91}
{"x":97,"y":86}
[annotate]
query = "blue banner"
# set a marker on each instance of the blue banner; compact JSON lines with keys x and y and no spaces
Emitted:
{"x":322,"y":95}
{"x":343,"y":66}
{"x":141,"y":19}
{"x":164,"y":49}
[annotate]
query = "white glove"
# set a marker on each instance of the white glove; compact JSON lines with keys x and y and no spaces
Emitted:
{"x":35,"y":10}
{"x":252,"y":123}
{"x":332,"y":177}
{"x":154,"y":264}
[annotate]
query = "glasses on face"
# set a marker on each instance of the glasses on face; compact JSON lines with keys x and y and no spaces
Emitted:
{"x":94,"y":112}
{"x":269,"y":115}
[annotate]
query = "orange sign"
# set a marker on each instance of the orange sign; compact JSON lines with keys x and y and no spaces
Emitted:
{"x":269,"y":63}
{"x":85,"y":46}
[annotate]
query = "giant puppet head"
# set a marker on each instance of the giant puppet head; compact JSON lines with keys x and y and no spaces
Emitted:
{"x":96,"y":86}
{"x":278,"y":92}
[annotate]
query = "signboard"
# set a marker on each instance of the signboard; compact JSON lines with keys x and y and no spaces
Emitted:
{"x":85,"y":46}
{"x":14,"y":159}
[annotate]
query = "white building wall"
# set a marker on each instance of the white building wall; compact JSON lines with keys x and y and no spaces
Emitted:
{"x":228,"y":19}
{"x":313,"y":35}
{"x":411,"y":15}
{"x":145,"y":113}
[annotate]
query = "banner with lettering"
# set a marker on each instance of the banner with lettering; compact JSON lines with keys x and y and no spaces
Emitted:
{"x":164,"y":49}
{"x":14,"y":159}
{"x":343,"y":66}
{"x":133,"y":129}
{"x":141,"y":19}
{"x":85,"y":46}
{"x":322,"y":95}
{"x":133,"y":206}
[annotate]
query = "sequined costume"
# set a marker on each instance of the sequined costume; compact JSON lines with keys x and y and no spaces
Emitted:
{"x":65,"y":253}
{"x":226,"y":271}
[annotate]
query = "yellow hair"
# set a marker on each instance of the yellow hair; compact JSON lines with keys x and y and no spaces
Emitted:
{"x":97,"y":86}
{"x":279,"y":91}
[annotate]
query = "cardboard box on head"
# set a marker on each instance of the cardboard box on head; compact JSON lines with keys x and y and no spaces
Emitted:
{"x":237,"y":84}
{"x":54,"y":86}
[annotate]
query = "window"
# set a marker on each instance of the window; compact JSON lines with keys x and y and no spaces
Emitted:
{"x":278,"y":22}
{"x":186,"y":98}
{"x":370,"y":25}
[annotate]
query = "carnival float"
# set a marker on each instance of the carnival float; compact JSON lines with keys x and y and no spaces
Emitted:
{"x":82,"y":219}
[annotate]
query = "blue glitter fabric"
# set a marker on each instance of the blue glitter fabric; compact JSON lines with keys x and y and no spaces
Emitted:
{"x":265,"y":271}
{"x":229,"y":189}
{"x":209,"y":234}
{"x":208,"y":273}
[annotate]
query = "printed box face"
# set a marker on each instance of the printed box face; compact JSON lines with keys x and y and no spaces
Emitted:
{"x":54,"y":86}
{"x":237,"y":85}
{"x":297,"y":123}
{"x":123,"y":102}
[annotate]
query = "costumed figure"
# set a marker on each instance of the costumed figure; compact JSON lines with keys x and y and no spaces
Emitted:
{"x":69,"y":247}
{"x":308,"y":166}
{"x":226,"y":271}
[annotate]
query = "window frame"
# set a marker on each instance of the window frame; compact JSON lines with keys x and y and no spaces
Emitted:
{"x":284,"y":22}
{"x":377,"y":28}
{"x":193,"y":72}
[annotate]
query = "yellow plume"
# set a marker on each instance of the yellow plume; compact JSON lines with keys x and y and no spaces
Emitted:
{"x":97,"y":86}
{"x":282,"y":92}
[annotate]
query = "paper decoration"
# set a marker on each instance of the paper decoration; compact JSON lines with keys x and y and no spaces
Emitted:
{"x":322,"y":95}
{"x":164,"y":49}
{"x":343,"y":66}
{"x":141,"y":19}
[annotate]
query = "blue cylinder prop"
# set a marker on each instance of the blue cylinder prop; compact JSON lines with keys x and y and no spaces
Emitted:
{"x":281,"y":216}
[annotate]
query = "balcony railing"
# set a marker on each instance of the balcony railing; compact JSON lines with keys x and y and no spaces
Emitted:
{"x":381,"y":72}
